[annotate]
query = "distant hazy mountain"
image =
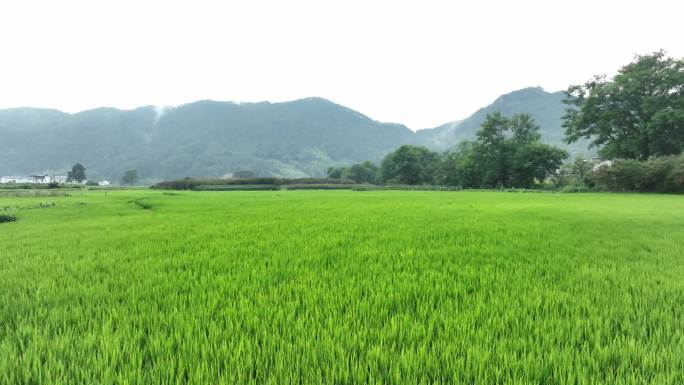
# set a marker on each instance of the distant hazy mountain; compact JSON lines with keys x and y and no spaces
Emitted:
{"x":206,"y":138}
{"x":546,"y":108}
{"x":211,"y":139}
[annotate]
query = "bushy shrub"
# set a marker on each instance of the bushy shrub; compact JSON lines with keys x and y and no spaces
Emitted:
{"x":623,"y":175}
{"x":238,"y":187}
{"x":659,"y":174}
{"x":192,"y":184}
{"x":7,"y":218}
{"x":319,"y":181}
{"x":575,"y":188}
{"x":675,"y":178}
{"x":656,"y":172}
{"x":328,"y":186}
{"x":406,"y":187}
{"x":249,"y":181}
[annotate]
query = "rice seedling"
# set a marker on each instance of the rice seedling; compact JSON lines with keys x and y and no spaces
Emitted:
{"x":343,"y":287}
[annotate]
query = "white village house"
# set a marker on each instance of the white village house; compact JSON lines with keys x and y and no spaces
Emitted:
{"x":35,"y":179}
{"x":59,"y":179}
{"x":15,"y":179}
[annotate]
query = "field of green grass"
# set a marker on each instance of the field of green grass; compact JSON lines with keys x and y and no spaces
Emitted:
{"x":343,"y":287}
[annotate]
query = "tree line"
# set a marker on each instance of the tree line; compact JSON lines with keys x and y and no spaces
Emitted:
{"x":77,"y":174}
{"x":635,"y":120}
{"x":506,"y":153}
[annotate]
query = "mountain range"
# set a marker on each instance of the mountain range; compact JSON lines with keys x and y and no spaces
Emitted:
{"x":212,"y":139}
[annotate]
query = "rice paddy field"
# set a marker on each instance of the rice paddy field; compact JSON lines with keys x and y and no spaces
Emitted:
{"x":341,"y":287}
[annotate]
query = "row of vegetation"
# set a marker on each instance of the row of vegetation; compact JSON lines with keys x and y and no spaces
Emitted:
{"x":246,"y":183}
{"x":76,"y":175}
{"x":537,"y":166}
{"x":636,"y":120}
{"x":506,"y":153}
{"x":663,"y":174}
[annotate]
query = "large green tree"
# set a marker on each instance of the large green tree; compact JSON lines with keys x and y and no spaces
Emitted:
{"x":637,"y":114}
{"x":413,"y":165}
{"x":365,"y":172}
{"x":77,"y":173}
{"x":534,"y":162}
{"x":506,"y":153}
{"x":492,"y":152}
{"x":130,"y":177}
{"x":459,"y":167}
{"x":336,"y":172}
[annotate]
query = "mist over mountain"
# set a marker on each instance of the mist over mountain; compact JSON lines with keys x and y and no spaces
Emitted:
{"x":211,"y":139}
{"x":546,"y":108}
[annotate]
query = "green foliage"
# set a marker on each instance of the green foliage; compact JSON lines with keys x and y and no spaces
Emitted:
{"x":77,"y":173}
{"x":7,"y":218}
{"x":202,"y":139}
{"x":422,"y":187}
{"x":328,"y":186}
{"x":660,"y":174}
{"x":325,"y":287}
{"x":410,"y":165}
{"x":210,"y":139}
{"x":507,"y":153}
{"x":130,"y":177}
{"x":623,"y":175}
{"x":335,"y":172}
{"x":546,"y":108}
{"x":582,"y":169}
{"x":237,"y":187}
{"x":366,"y":172}
{"x":242,"y":174}
{"x":459,"y":167}
{"x":140,"y":202}
{"x":575,"y":188}
{"x":534,"y":162}
{"x":636,"y":115}
{"x":191,"y":184}
{"x":89,"y":183}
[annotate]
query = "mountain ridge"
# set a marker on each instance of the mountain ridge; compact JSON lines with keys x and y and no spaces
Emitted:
{"x":209,"y":138}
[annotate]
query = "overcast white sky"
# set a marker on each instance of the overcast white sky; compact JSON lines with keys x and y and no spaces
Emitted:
{"x":420,"y":63}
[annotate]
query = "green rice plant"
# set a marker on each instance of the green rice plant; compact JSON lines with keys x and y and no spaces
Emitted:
{"x":343,"y":287}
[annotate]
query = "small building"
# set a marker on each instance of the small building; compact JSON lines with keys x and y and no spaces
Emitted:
{"x":58,"y":179}
{"x":104,"y":183}
{"x":34,"y":179}
{"x":598,"y":163}
{"x":40,"y":179}
{"x":15,"y":179}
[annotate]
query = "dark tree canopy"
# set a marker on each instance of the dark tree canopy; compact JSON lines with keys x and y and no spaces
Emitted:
{"x":413,"y":165}
{"x":77,"y":173}
{"x":637,"y":114}
{"x":507,"y":153}
{"x":130,"y":177}
{"x":365,"y":172}
{"x":335,"y":172}
{"x":244,"y":174}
